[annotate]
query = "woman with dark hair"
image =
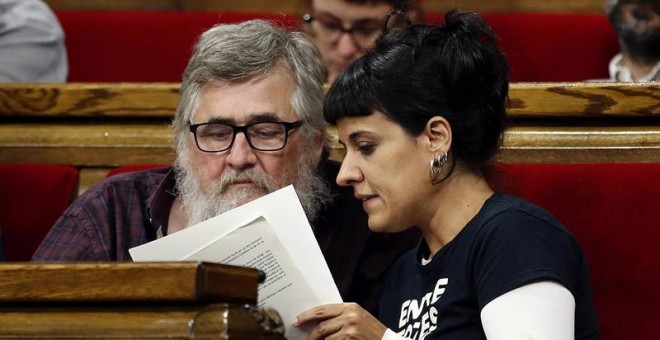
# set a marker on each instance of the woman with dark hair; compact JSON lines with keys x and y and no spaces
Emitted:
{"x":420,"y":116}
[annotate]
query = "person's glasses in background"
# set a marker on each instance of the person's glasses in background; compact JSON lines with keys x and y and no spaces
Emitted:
{"x":329,"y":29}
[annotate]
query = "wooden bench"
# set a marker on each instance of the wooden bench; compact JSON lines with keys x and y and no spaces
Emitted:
{"x":96,"y":127}
{"x":179,"y":300}
{"x":588,"y":152}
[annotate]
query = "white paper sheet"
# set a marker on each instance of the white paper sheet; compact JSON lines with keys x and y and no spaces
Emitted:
{"x":284,"y":216}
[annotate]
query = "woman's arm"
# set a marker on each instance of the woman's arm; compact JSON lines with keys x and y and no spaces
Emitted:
{"x":539,"y":311}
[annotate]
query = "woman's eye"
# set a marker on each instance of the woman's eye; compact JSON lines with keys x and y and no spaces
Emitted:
{"x":366,"y":148}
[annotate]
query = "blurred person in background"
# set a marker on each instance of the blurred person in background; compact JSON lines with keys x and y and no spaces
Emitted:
{"x":637,"y":25}
{"x":344,"y":29}
{"x":31,"y":43}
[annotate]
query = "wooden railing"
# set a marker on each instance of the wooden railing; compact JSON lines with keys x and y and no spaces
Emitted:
{"x":166,"y":300}
{"x":99,"y":126}
{"x":294,"y":6}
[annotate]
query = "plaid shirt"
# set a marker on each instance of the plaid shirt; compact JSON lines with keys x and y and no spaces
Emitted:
{"x":131,"y":209}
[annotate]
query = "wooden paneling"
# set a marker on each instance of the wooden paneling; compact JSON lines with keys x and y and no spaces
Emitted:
{"x":127,"y":282}
{"x":163,"y":300}
{"x":112,"y":322}
{"x":128,"y":100}
{"x":131,"y":101}
{"x":293,"y":6}
{"x":584,"y":100}
{"x":571,"y":144}
{"x":576,"y":144}
{"x":86,"y":145}
{"x":99,"y":126}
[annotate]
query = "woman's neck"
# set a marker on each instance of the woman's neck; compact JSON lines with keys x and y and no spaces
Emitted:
{"x":457,"y":202}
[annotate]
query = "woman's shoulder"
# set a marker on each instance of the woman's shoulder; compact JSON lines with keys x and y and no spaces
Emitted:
{"x":510,"y":216}
{"x":503,"y":206}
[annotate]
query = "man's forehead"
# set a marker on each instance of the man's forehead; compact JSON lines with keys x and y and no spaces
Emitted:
{"x":352,"y":10}
{"x":244,"y":102}
{"x":249,"y":118}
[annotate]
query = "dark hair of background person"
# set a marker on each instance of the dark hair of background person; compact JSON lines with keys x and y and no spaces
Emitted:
{"x":455,"y":70}
{"x":640,"y":41}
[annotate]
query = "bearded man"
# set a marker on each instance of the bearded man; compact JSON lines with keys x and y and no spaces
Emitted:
{"x":249,"y":121}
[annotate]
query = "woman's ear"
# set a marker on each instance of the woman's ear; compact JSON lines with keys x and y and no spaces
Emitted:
{"x":437,"y":135}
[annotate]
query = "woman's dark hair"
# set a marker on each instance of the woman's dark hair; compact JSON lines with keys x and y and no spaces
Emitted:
{"x":412,"y":74}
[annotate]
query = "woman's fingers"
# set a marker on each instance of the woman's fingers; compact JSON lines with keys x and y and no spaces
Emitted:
{"x":318,"y":313}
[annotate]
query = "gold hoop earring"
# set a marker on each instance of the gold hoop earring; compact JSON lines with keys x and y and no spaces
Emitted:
{"x":436,"y":164}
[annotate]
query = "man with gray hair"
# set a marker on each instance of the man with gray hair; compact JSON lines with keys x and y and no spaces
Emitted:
{"x":637,"y":25}
{"x":249,"y":121}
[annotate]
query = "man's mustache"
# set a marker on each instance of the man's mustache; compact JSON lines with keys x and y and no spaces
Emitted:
{"x":229,"y":177}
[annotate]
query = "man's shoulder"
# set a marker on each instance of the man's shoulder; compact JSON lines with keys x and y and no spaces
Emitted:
{"x":127,"y":185}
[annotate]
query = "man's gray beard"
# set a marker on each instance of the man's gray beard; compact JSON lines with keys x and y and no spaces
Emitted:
{"x":200,"y":205}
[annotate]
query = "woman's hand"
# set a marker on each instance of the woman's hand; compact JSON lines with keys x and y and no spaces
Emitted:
{"x":341,"y":321}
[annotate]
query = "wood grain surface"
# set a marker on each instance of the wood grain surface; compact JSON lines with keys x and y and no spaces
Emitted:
{"x":90,"y":100}
{"x":144,"y":321}
{"x":159,"y":100}
{"x":126,"y":282}
{"x":100,"y":126}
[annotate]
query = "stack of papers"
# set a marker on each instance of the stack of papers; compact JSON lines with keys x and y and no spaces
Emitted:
{"x":270,"y":233}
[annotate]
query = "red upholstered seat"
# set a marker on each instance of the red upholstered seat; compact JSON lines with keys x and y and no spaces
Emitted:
{"x":32,"y":198}
{"x":614,"y":211}
{"x":139,"y":46}
{"x":148,"y":46}
{"x":546,"y":47}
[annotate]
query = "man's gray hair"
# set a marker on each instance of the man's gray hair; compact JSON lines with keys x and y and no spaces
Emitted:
{"x":234,"y":52}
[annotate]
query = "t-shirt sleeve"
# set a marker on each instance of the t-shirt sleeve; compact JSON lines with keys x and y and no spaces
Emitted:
{"x":516,"y":248}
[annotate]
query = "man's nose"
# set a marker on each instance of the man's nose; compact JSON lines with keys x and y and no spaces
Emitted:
{"x":241,"y":155}
{"x":346,"y":46}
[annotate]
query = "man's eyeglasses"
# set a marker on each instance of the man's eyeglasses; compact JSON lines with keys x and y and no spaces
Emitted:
{"x":264,"y":136}
{"x":364,"y":32}
{"x":330,"y":29}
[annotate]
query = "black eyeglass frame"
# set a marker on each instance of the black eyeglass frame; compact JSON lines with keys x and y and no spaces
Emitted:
{"x":288,"y":126}
{"x":308,"y":18}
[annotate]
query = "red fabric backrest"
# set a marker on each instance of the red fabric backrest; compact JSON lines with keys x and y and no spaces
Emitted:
{"x":139,"y":46}
{"x":32,"y":198}
{"x":548,"y":47}
{"x":147,"y":46}
{"x":614,"y":211}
